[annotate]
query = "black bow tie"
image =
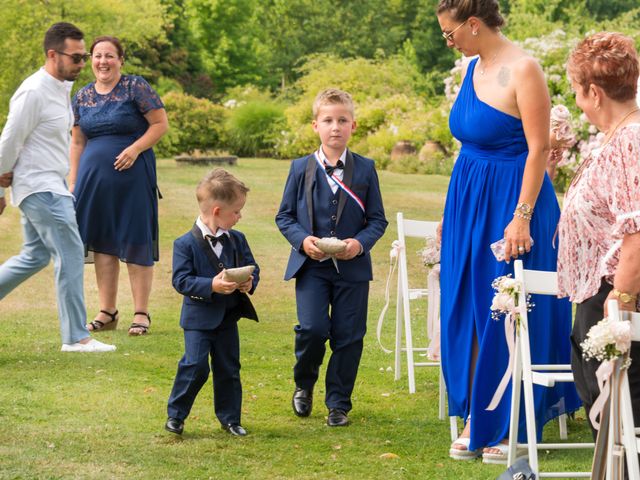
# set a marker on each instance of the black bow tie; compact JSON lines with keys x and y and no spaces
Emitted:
{"x":214,"y":240}
{"x":330,"y":168}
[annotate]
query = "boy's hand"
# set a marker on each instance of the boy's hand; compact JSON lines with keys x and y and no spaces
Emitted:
{"x":309,"y":247}
{"x":246,"y":286}
{"x":219,"y":285}
{"x":354,"y":247}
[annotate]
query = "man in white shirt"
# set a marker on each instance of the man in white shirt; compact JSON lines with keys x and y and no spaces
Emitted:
{"x":34,"y":146}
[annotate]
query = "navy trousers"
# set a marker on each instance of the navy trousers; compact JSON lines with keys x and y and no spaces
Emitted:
{"x":329,"y":308}
{"x":223,"y":346}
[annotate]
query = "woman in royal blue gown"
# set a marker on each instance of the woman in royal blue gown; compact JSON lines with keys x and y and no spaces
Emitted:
{"x":118,"y":118}
{"x":498,"y":189}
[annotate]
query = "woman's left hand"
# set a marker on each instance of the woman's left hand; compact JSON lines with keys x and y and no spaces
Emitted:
{"x":127,"y":158}
{"x":517,"y":238}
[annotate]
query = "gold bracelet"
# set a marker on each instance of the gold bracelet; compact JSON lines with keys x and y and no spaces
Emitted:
{"x":522,"y":215}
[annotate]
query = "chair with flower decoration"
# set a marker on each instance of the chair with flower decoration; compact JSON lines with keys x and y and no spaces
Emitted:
{"x":405,"y":294}
{"x":527,"y":375}
{"x":623,"y":439}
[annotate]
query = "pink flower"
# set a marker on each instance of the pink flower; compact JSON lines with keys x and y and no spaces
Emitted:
{"x":430,"y":253}
{"x":560,"y":114}
{"x":561,"y":125}
{"x":503,"y":302}
{"x":621,"y":332}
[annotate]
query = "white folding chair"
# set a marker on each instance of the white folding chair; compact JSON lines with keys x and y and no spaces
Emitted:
{"x":543,"y":283}
{"x":624,"y":437}
{"x":418,"y":229}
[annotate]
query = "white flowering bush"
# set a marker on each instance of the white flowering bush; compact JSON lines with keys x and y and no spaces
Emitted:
{"x":552,"y":51}
{"x":608,"y":340}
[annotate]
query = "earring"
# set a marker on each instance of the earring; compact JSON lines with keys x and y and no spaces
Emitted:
{"x":474,"y":33}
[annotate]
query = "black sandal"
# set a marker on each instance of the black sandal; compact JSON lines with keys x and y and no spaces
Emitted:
{"x":144,"y":328}
{"x":98,"y":325}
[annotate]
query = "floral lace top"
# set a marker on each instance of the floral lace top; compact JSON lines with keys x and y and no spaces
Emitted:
{"x":119,"y":112}
{"x":601,"y":206}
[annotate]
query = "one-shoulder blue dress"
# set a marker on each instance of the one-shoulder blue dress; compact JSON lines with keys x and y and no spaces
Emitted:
{"x":117,"y":211}
{"x":483,"y":193}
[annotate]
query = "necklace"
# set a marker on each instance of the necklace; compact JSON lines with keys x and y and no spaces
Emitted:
{"x":485,"y":64}
{"x":614,"y":129}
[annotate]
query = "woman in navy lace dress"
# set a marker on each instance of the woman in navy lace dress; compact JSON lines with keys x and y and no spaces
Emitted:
{"x":118,"y":118}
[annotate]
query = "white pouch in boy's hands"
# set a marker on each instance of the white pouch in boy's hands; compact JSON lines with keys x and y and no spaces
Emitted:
{"x":238,"y":275}
{"x":331,"y":245}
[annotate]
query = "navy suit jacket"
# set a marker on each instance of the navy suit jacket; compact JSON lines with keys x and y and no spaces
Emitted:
{"x":295,"y":217}
{"x":194,"y":266}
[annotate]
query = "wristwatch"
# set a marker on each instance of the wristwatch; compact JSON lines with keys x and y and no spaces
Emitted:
{"x":524,"y":208}
{"x":624,"y":297}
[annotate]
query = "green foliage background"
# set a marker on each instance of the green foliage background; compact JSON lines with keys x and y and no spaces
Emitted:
{"x":240,"y":75}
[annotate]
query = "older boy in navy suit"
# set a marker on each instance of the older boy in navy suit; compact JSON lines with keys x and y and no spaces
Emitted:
{"x":330,"y":193}
{"x":212,"y":306}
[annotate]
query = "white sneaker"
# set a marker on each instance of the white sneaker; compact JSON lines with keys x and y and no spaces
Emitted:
{"x":91,"y":346}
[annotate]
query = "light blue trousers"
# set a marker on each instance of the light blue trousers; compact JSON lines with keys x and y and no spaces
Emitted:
{"x":50,"y":231}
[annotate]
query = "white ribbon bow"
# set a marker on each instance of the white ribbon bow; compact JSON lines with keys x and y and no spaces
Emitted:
{"x":603,"y":374}
{"x":433,"y":320}
{"x":509,"y":333}
{"x":396,"y":246}
{"x":433,"y":288}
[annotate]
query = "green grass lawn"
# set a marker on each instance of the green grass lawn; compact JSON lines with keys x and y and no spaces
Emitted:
{"x":102,"y":415}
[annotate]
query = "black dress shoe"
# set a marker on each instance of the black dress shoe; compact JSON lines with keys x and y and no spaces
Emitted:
{"x":174,"y":425}
{"x":302,"y":402}
{"x":337,"y":418}
{"x":236,"y":430}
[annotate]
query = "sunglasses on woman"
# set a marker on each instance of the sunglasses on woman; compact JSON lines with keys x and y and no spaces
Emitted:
{"x":449,"y":35}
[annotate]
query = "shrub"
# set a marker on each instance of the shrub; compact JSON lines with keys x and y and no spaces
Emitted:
{"x":437,"y":164}
{"x":194,"y":123}
{"x":255,"y":128}
{"x":390,"y":106}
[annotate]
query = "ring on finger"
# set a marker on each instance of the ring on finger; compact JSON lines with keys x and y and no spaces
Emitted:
{"x":520,"y":249}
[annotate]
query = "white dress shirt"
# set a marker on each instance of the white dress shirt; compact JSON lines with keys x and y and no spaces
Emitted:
{"x":35,"y":139}
{"x":217,"y":249}
{"x":338,"y":172}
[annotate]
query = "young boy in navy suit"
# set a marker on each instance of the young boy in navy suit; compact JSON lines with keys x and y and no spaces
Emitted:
{"x":330,"y":193}
{"x":212,"y":306}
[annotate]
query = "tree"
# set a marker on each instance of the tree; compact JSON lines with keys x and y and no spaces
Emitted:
{"x":24,"y":22}
{"x":226,"y":32}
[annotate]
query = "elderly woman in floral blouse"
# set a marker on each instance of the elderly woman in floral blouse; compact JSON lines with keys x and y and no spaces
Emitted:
{"x":599,"y":255}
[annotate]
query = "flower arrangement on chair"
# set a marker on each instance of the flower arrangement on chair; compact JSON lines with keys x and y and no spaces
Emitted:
{"x":430,"y":253}
{"x":505,"y":303}
{"x":505,"y":300}
{"x":608,"y":342}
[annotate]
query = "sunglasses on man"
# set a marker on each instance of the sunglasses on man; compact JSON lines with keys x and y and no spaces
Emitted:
{"x":76,"y":57}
